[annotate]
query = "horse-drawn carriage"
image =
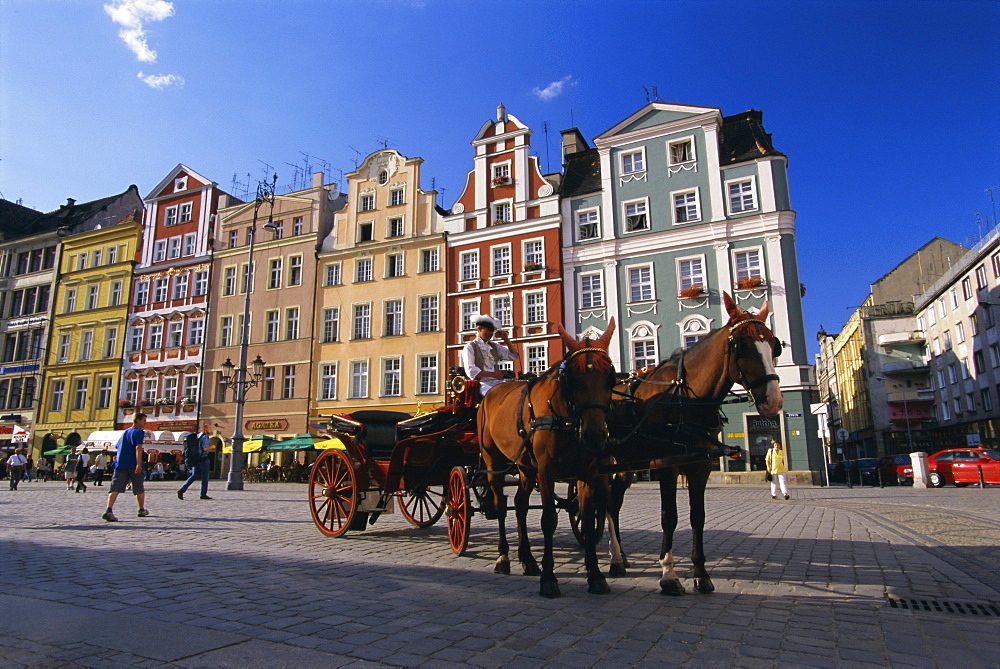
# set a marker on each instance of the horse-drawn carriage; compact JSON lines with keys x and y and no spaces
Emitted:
{"x":577,"y":423}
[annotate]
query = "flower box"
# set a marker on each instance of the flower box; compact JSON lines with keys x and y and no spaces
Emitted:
{"x":499,"y":221}
{"x":692,"y":292}
{"x":166,"y":401}
{"x":500,"y":181}
{"x":533,"y":267}
{"x":125,"y":404}
{"x":749,"y":283}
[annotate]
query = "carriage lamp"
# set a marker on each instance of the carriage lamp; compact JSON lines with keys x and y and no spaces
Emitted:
{"x":247,"y":381}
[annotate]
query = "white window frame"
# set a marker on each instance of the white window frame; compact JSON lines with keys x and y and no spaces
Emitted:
{"x":295,"y":269}
{"x":180,"y":183}
{"x":363,"y":270}
{"x":364,"y":199}
{"x":395,"y":265}
{"x":159,"y":250}
{"x":327,"y":381}
{"x":184,"y":216}
{"x":584,"y":291}
{"x":427,"y":374}
{"x":502,"y":309}
{"x":644,"y":333}
{"x":332,"y":274}
{"x":330,"y":325}
{"x":392,"y":195}
{"x":428,"y":315}
{"x":395,"y":227}
{"x":226,"y":331}
{"x":749,"y":272}
{"x":180,"y":291}
{"x":626,"y":226}
{"x":359,"y":382}
{"x":229,"y":280}
{"x":500,"y":208}
{"x":170,"y":216}
{"x":467,"y":311}
{"x":500,"y":174}
{"x":393,"y":376}
{"x":293,"y":319}
{"x":537,"y":257}
{"x":687,"y":282}
{"x":175,"y":334}
{"x":589,"y":212}
{"x":362,"y":318}
{"x":631,"y":153}
{"x":430,"y":260}
{"x":497,"y":263}
{"x":190,"y":244}
{"x":196,"y":332}
{"x":174,"y":247}
{"x":628,"y":282}
{"x":392,"y":323}
{"x":468,"y":260}
{"x":536,"y":357}
{"x":696,"y":204}
{"x":754,"y":200}
{"x":689,"y":139}
{"x":539,"y":308}
{"x":275,"y":271}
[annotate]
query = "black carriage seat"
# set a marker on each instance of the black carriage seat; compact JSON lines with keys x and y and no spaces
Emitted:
{"x":380,"y":430}
{"x":431,"y":423}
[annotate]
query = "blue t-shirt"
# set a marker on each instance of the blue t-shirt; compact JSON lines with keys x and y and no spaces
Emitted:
{"x":126,"y":448}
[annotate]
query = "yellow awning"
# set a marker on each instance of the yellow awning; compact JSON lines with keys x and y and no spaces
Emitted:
{"x":330,"y":443}
{"x":249,"y":446}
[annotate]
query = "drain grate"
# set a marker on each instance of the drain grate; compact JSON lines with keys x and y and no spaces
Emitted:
{"x":980,"y":609}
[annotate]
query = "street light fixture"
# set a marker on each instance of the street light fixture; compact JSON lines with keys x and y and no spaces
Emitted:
{"x":235,"y":377}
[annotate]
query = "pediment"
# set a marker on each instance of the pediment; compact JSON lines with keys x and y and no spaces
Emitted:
{"x":654,"y":114}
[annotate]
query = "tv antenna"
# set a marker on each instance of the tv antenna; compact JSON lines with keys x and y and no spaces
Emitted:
{"x":385,"y":141}
{"x":545,"y":128}
{"x":652,"y":95}
{"x":357,"y":156}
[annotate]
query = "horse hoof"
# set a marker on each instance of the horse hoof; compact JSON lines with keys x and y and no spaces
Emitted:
{"x":598,"y":586}
{"x":530,"y":569}
{"x":672,"y":588}
{"x":704,"y":585}
{"x":549,"y":589}
{"x":501,"y":567}
{"x":625,"y":562}
{"x":617,"y":571}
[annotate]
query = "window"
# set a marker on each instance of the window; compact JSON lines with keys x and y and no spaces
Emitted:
{"x":58,"y":392}
{"x":428,"y":374}
{"x":691,"y":340}
{"x":180,"y":286}
{"x":332,"y":275}
{"x":747,"y":264}
{"x":956,"y":405}
{"x":502,"y":310}
{"x":191,"y":388}
{"x":470,"y":265}
{"x":981,"y":277}
{"x":987,"y":399}
{"x":394,"y":227}
{"x":959,"y":333}
{"x":288,"y":382}
{"x":390,"y":377}
{"x":686,"y":207}
{"x":196,"y":332}
{"x":200,"y":283}
{"x":591,"y":292}
{"x":155,"y":341}
{"x":587,"y":224}
{"x":274,"y":273}
{"x":80,"y":395}
{"x":292,"y":323}
{"x":180,"y":184}
{"x":394,"y":265}
{"x":501,"y":173}
{"x":428,"y":313}
{"x":70,"y":300}
{"x":97,"y":258}
{"x":135,"y":337}
{"x":267,"y":391}
{"x":947,"y":340}
{"x":295,"y":271}
{"x":680,"y":151}
{"x":643,"y":353}
{"x":995,"y":355}
{"x":190,"y":243}
{"x":366,"y":231}
{"x":995,"y":260}
{"x":536,"y":359}
{"x":247,"y":284}
{"x":226,"y":331}
{"x":116,"y":294}
{"x":279,"y":229}
{"x":363,"y":270}
{"x":110,"y":342}
{"x":159,"y":250}
{"x":328,"y":381}
{"x":185,"y":213}
{"x":964,"y":364}
{"x":362,"y":321}
{"x":501,"y":212}
{"x":367,"y":203}
{"x":633,"y":161}
{"x":974,"y":323}
{"x":635,"y":216}
{"x":383,"y":177}
{"x":932,"y":319}
{"x":393,"y":318}
{"x":112,"y":255}
{"x":160,"y":290}
{"x":86,"y":344}
{"x":331,"y":324}
{"x":234,"y":238}
{"x":640,"y":283}
{"x":967,"y":288}
{"x":297,"y":226}
{"x":429,"y":260}
{"x":979,"y":362}
{"x":174,"y":248}
{"x":501,"y":260}
{"x":954,"y":298}
{"x":936,"y":346}
{"x":742,"y":195}
{"x":170,"y":388}
{"x":469,"y":311}
{"x":945,"y":412}
{"x":952,"y":373}
{"x":229,"y":281}
{"x":359,"y":379}
{"x":988,"y":316}
{"x":92,"y":292}
{"x":940,"y":379}
{"x":534,"y":307}
{"x":396,"y":197}
{"x":534,"y":253}
{"x":271,"y":326}
{"x":132,"y":391}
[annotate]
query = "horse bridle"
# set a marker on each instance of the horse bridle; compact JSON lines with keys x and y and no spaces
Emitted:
{"x":733,"y":349}
{"x":578,"y":409}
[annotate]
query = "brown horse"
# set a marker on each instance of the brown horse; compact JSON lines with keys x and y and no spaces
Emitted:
{"x":677,"y":406}
{"x":552,"y":428}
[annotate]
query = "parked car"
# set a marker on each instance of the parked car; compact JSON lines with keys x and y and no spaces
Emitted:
{"x":862,"y":472}
{"x":961,"y":466}
{"x":837,"y":472}
{"x":896,"y":469}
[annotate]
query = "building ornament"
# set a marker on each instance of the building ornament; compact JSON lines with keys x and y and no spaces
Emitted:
{"x":459,"y":208}
{"x":632,"y":311}
{"x":641,"y":176}
{"x":689,"y":303}
{"x":545,"y":190}
{"x":593,"y":313}
{"x":677,"y":169}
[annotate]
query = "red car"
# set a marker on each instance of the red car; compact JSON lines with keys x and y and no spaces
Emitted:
{"x":961,"y":466}
{"x":896,"y":469}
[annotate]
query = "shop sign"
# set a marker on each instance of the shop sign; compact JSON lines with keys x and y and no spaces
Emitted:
{"x":19,"y":436}
{"x":19,"y":368}
{"x":25,"y":322}
{"x":261,"y":425}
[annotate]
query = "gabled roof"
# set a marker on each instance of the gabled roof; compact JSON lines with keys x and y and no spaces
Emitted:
{"x":582,"y":173}
{"x":654,"y":113}
{"x":742,"y":137}
{"x":15,"y":219}
{"x":171,"y":175}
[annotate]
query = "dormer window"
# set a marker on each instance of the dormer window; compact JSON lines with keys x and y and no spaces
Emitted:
{"x":180,"y":183}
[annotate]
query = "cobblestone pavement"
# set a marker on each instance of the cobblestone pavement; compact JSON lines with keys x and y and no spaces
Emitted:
{"x":247,"y":580}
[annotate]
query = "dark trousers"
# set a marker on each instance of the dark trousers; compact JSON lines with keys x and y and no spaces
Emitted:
{"x":201,"y":469}
{"x":99,"y":476}
{"x":81,"y":475}
{"x":16,"y":472}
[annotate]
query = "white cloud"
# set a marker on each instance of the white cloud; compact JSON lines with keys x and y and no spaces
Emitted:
{"x":553,"y":90}
{"x":161,"y":81}
{"x":132,"y":15}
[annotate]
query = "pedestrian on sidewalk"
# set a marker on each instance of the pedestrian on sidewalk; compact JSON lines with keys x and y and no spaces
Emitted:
{"x":197,"y":458}
{"x":775,"y":463}
{"x":28,"y":467}
{"x":81,"y":470}
{"x":15,"y":467}
{"x":69,"y":468}
{"x":100,"y":467}
{"x":128,"y":468}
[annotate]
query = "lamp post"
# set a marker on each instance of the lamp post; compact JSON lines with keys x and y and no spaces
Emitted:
{"x":236,"y":377}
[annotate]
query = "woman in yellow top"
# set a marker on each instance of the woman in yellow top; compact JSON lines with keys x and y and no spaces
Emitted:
{"x":775,"y":463}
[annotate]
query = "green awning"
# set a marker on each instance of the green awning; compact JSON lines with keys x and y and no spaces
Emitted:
{"x":62,"y":450}
{"x":303,"y":442}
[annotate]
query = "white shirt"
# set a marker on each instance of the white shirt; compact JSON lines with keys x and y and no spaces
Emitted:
{"x":101,"y":461}
{"x":489,"y":361}
{"x":17,"y":460}
{"x":84,"y":459}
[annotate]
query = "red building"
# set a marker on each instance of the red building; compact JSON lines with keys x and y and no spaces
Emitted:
{"x":506,"y":259}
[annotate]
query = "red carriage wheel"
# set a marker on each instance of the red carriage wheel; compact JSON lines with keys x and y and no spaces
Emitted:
{"x":333,"y":493}
{"x":573,"y":511}
{"x":424,"y":505}
{"x":459,"y":510}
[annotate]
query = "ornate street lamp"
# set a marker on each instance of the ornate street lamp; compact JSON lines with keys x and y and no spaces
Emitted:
{"x":240,"y":379}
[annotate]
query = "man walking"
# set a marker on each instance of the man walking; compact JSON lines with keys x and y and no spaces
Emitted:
{"x":15,"y":467}
{"x":198,"y":461}
{"x":100,"y":467}
{"x":128,"y":468}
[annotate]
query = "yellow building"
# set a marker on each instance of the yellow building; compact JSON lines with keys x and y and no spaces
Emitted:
{"x":87,"y":335}
{"x":855,"y":409}
{"x":380,"y":298}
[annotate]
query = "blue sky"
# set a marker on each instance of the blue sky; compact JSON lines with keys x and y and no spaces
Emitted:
{"x":887,"y":110}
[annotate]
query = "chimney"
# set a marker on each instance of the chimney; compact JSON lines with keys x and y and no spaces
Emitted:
{"x":70,"y":202}
{"x":317,"y":180}
{"x":572,"y":142}
{"x":501,"y":113}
